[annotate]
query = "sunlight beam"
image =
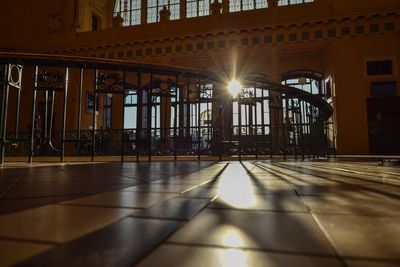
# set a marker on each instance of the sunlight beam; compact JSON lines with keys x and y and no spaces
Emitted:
{"x":234,"y":88}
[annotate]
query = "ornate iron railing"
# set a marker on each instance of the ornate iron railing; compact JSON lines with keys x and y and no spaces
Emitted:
{"x":177,"y":112}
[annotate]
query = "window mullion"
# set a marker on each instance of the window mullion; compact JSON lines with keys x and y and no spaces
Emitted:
{"x":130,"y":13}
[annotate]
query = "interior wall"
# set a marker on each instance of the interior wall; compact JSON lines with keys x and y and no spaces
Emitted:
{"x":269,"y":41}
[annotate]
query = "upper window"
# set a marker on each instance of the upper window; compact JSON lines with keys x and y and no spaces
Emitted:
{"x":241,"y":5}
{"x":154,"y":7}
{"x":130,"y":11}
{"x":293,"y":2}
{"x":198,"y":8}
{"x":305,"y":80}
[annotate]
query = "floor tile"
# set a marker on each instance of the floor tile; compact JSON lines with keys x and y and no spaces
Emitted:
{"x":177,"y":255}
{"x":258,"y":181}
{"x":364,"y":236}
{"x":260,"y":188}
{"x":202,"y":193}
{"x":120,"y":244}
{"x":122,"y":199}
{"x":295,"y":232}
{"x":256,"y":218}
{"x":160,"y":188}
{"x":358,"y":263}
{"x":317,"y":188}
{"x":175,"y":208}
{"x":251,"y":201}
{"x":12,"y":252}
{"x":56,"y":190}
{"x":353,"y":204}
{"x":177,"y":181}
{"x":15,"y":205}
{"x":58,"y":223}
{"x":236,"y":179}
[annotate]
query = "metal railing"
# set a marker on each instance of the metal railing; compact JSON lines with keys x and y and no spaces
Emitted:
{"x":49,"y":107}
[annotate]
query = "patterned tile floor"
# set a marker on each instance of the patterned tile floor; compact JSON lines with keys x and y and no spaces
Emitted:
{"x":250,"y":213}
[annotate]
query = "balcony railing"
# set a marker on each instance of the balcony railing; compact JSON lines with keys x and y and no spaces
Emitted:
{"x":55,"y":106}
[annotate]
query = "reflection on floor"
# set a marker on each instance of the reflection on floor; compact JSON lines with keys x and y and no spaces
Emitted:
{"x":251,"y":213}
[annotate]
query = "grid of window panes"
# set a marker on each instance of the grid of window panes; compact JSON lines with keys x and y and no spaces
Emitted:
{"x":174,"y":120}
{"x":155,"y":6}
{"x":255,"y":119}
{"x":108,"y":100}
{"x":200,"y":118}
{"x":130,"y":11}
{"x":310,"y":85}
{"x":242,"y":5}
{"x":293,"y":2}
{"x":131,"y":101}
{"x":156,"y":112}
{"x":292,"y":109}
{"x":206,"y":95}
{"x":198,"y":8}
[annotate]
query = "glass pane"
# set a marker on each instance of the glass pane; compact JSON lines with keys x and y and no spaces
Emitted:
{"x":261,"y":4}
{"x":191,"y":9}
{"x":283,"y":3}
{"x":314,"y":88}
{"x":234,"y":5}
{"x":204,"y":8}
{"x":130,"y":117}
{"x":151,"y":3}
{"x":117,"y":6}
{"x":247,"y":4}
{"x":259,"y":114}
{"x":175,"y":11}
{"x":151,"y":14}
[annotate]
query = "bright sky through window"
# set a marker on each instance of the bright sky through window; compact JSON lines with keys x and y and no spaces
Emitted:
{"x":131,"y":10}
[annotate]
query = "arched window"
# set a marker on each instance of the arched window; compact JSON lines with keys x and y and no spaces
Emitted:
{"x":306,"y":80}
{"x":309,"y":81}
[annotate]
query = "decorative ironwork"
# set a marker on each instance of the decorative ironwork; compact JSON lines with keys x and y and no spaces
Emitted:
{"x":163,"y":88}
{"x":247,"y":96}
{"x":275,"y":101}
{"x":171,"y":112}
{"x":51,"y":81}
{"x":206,"y":91}
{"x":193,"y":93}
{"x":110,"y":83}
{"x":14,"y":75}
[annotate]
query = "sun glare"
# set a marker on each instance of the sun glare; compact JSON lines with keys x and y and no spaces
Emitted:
{"x":235,"y":187}
{"x":234,"y":88}
{"x":233,"y":258}
{"x":231,"y":236}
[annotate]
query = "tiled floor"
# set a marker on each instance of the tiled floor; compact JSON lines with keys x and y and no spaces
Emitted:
{"x":252,"y":213}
